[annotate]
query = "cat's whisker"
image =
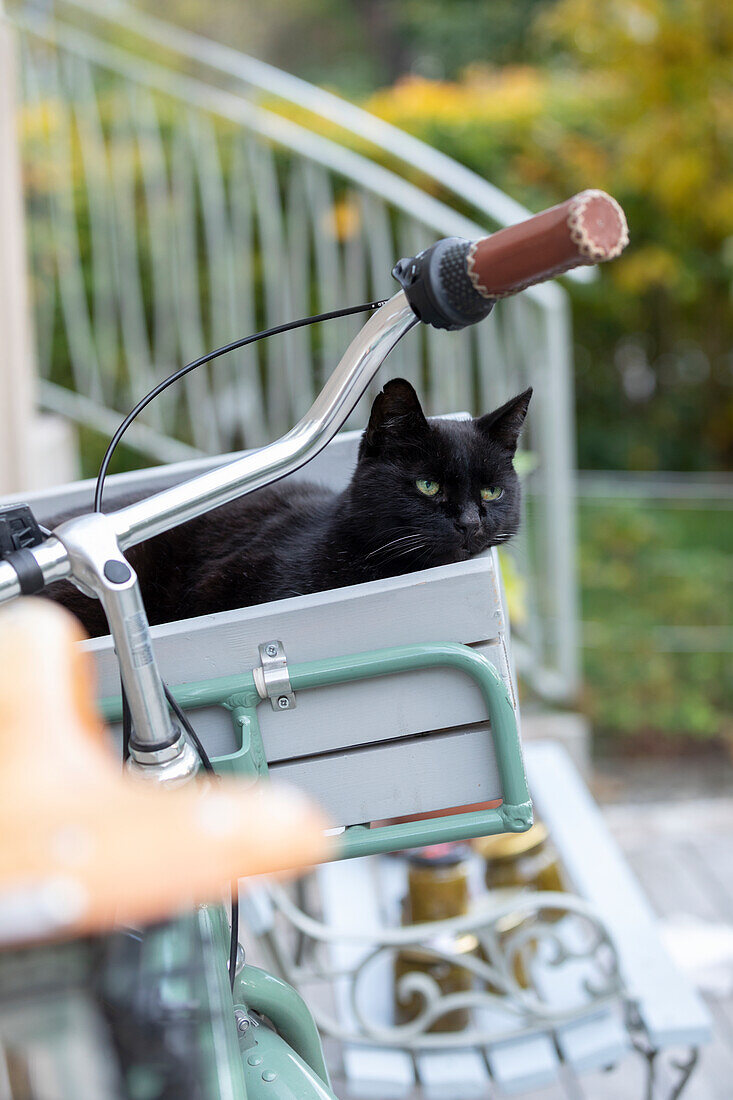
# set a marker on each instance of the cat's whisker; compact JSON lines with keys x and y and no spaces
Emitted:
{"x":412,"y":549}
{"x":387,"y":545}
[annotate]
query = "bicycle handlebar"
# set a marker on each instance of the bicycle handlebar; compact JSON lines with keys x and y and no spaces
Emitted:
{"x":451,"y":285}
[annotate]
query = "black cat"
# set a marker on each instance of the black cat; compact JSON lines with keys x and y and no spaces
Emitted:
{"x":423,"y":493}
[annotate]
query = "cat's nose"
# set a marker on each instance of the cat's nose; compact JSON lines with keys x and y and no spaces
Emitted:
{"x":468,"y":522}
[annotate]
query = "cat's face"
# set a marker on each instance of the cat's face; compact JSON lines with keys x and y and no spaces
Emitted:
{"x":426,"y":493}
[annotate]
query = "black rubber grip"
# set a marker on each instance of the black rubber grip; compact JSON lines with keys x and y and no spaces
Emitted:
{"x":456,"y":291}
{"x":438,"y":288}
{"x":30,"y":577}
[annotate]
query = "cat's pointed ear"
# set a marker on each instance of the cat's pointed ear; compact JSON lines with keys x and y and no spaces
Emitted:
{"x":504,"y":424}
{"x":396,"y":416}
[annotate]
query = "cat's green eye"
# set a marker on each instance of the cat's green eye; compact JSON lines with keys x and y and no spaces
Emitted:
{"x":492,"y":494}
{"x":427,"y":487}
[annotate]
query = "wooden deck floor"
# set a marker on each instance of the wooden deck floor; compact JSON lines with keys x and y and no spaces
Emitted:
{"x":683,"y":857}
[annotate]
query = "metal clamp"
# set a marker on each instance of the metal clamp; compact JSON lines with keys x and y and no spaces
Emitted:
{"x":272,"y":678}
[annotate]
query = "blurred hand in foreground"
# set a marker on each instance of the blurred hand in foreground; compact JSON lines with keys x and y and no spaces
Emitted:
{"x":82,"y":845}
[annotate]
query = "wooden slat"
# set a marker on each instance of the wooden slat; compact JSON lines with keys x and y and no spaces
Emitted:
{"x":335,"y":718}
{"x":594,"y":1043}
{"x":671,"y":1010}
{"x":417,"y":775}
{"x":451,"y":603}
{"x":445,"y":1075}
{"x":522,"y":1064}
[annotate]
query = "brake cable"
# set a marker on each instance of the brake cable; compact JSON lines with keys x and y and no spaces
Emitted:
{"x":235,"y":344}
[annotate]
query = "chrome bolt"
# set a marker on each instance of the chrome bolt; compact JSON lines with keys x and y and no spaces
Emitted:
{"x":283,"y":702}
{"x":243,"y":1021}
{"x":271,"y":650}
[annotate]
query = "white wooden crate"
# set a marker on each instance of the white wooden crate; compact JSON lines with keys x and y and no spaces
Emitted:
{"x":408,"y":743}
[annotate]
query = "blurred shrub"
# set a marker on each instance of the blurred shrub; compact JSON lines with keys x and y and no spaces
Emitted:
{"x":633,"y":96}
{"x":657,"y":592}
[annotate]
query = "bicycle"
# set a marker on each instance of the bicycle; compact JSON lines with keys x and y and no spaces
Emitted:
{"x":451,"y":285}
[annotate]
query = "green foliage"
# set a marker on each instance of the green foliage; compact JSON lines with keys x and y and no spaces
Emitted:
{"x":358,"y":45}
{"x":442,"y":37}
{"x":633,"y":96}
{"x":643,"y":564}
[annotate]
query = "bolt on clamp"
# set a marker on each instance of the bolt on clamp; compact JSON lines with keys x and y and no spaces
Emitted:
{"x":272,"y":678}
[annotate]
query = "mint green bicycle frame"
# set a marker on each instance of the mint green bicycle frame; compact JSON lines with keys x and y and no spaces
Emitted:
{"x":289,"y":1062}
{"x":239,"y":696}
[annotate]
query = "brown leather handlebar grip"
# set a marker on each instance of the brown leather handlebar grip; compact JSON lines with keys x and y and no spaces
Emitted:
{"x":587,"y":229}
{"x":455,"y":282}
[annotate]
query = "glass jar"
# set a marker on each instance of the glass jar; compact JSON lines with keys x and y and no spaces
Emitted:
{"x":438,"y":889}
{"x":523,"y":861}
{"x":437,"y":884}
